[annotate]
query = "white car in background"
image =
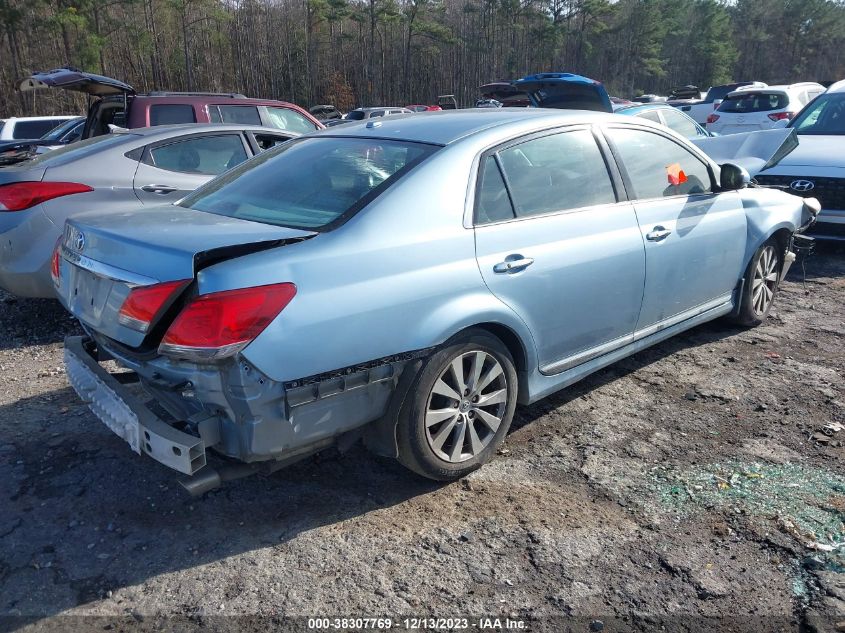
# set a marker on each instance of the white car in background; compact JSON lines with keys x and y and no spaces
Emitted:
{"x":816,"y":168}
{"x":26,"y":127}
{"x":748,"y":109}
{"x":700,"y":109}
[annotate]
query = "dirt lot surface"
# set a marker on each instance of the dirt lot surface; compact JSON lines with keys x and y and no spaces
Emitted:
{"x":678,"y":485}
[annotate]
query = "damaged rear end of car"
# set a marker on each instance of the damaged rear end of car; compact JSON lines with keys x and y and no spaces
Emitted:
{"x":170,"y":295}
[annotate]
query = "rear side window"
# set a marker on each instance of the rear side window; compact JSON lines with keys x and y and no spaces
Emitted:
{"x":311,"y":182}
{"x":658,"y":167}
{"x":681,"y":124}
{"x":287,"y":119}
{"x":754,"y":102}
{"x":245,"y":115}
{"x":172,"y":114}
{"x":207,"y":155}
{"x":556,"y":173}
{"x":268,"y":141}
{"x":34,"y":129}
{"x":493,"y":204}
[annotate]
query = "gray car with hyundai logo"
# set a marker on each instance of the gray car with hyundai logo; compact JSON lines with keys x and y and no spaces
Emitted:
{"x":816,"y":168}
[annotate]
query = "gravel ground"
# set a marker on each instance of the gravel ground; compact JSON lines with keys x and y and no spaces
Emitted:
{"x":678,"y":485}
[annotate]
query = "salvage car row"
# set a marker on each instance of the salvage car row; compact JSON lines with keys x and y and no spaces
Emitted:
{"x":405,"y":281}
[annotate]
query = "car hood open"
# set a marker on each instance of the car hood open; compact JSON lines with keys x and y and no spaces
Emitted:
{"x":754,"y":151}
{"x":817,"y":151}
{"x":72,"y":79}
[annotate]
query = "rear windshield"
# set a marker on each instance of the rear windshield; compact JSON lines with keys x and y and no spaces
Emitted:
{"x":570,"y":96}
{"x":309,"y":183}
{"x":825,"y":115}
{"x":754,"y":102}
{"x":719,"y":92}
{"x":34,"y":129}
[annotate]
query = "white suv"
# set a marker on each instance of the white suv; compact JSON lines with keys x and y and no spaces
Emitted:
{"x":748,"y":109}
{"x":29,"y":127}
{"x":816,"y":168}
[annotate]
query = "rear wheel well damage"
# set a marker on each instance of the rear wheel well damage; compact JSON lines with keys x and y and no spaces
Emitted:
{"x":380,"y":435}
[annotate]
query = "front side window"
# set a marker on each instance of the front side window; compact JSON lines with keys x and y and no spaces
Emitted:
{"x":287,"y":119}
{"x":309,"y":183}
{"x":659,"y":167}
{"x":172,"y":114}
{"x":825,"y":115}
{"x":556,"y":173}
{"x":206,"y":155}
{"x":356,"y":115}
{"x":681,"y":124}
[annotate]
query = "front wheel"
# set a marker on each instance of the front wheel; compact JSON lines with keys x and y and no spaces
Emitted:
{"x":761,"y":284}
{"x":460,"y":409}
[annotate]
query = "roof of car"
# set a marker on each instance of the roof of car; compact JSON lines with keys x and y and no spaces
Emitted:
{"x":63,"y":117}
{"x":448,"y":126}
{"x":165,"y":130}
{"x":371,"y":108}
{"x":640,"y":107}
{"x":839,"y":86}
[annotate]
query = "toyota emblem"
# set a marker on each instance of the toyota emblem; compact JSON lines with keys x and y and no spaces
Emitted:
{"x":802,"y":185}
{"x":79,"y":244}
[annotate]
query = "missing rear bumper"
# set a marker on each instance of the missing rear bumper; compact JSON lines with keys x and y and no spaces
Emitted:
{"x":125,"y":414}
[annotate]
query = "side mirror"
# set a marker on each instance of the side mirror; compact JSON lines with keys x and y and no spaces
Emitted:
{"x":780,"y":124}
{"x":733,"y":177}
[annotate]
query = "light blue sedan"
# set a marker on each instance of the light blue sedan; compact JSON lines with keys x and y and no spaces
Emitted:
{"x":408,"y":281}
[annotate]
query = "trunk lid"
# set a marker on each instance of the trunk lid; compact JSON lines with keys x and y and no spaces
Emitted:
{"x":72,"y":79}
{"x":105,"y":256}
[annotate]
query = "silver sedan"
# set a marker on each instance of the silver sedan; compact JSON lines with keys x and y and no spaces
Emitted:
{"x":114,"y":174}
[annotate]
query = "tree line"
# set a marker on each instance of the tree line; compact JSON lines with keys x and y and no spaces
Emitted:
{"x":397,"y":52}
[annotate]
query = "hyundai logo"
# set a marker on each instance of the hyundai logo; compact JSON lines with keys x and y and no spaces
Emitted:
{"x":802,"y":185}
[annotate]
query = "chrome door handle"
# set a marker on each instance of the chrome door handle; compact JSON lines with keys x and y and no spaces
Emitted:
{"x":513,"y":265}
{"x":658,"y":233}
{"x":159,"y":188}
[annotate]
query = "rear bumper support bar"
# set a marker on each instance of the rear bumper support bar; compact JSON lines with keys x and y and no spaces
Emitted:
{"x":125,"y":414}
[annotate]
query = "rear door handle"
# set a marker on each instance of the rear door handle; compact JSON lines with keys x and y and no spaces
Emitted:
{"x":658,"y":233}
{"x":162,"y":189}
{"x":513,"y":265}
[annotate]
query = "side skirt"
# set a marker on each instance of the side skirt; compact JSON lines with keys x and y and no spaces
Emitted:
{"x":541,"y":385}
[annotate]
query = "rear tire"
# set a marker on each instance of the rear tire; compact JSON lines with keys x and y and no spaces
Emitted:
{"x":459,"y":408}
{"x":761,"y":284}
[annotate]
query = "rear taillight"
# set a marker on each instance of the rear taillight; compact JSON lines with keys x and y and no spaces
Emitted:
{"x":780,"y":116}
{"x":712,"y":118}
{"x":220,"y":324}
{"x":145,"y":303}
{"x":55,"y":263}
{"x":19,"y":196}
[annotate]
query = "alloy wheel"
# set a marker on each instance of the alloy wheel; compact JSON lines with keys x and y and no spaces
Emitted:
{"x":466,"y":406}
{"x":765,"y":281}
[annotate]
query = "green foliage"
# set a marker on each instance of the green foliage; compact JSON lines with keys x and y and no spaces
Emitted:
{"x":400,"y":51}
